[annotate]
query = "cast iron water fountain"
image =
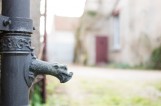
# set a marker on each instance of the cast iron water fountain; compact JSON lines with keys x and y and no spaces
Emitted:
{"x":19,"y":66}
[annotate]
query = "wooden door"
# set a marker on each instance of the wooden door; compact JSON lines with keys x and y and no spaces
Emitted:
{"x":101,"y":49}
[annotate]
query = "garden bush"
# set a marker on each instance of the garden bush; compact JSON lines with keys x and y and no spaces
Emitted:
{"x":156,"y":58}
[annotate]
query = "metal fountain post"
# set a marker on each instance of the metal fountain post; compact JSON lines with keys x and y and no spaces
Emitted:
{"x":19,"y":66}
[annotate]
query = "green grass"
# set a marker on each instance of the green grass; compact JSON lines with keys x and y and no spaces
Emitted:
{"x":101,"y":92}
{"x":158,"y":86}
{"x":106,"y":93}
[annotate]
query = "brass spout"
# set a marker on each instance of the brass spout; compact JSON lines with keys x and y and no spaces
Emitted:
{"x":39,"y":67}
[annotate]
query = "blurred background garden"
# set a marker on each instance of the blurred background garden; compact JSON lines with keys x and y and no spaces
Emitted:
{"x":112,"y":46}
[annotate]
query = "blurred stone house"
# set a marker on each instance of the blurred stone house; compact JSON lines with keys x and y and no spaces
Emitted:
{"x":121,"y":31}
{"x":65,"y":23}
{"x":35,"y":15}
{"x":61,"y":41}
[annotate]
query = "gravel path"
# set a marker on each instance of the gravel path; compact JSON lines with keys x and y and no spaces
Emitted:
{"x":115,"y":74}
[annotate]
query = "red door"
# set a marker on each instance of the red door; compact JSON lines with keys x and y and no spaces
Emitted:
{"x":101,"y":49}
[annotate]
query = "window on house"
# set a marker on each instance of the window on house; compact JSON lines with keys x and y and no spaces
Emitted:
{"x":116,"y":32}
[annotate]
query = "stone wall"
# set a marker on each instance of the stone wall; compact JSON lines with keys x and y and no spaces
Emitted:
{"x":140,"y":24}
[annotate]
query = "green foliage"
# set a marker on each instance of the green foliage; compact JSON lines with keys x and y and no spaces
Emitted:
{"x":119,"y":65}
{"x":36,"y":99}
{"x":156,"y":58}
{"x":91,"y":13}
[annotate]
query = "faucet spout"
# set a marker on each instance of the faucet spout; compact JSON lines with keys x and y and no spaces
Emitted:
{"x":39,"y":67}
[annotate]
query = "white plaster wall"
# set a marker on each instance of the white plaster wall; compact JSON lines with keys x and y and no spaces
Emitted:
{"x":91,"y":48}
